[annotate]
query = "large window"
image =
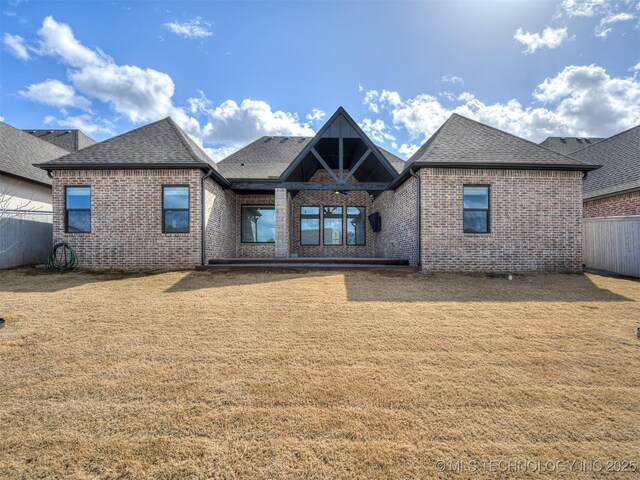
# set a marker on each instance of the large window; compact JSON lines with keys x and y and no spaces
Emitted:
{"x":309,"y":225}
{"x":476,"y":209}
{"x":332,"y":225}
{"x":258,"y":224}
{"x":175,"y":209}
{"x":356,"y":226}
{"x":78,"y":210}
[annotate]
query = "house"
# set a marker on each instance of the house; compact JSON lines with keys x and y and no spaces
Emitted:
{"x":70,"y":140}
{"x":614,"y":189}
{"x":472,"y":198}
{"x":25,"y":197}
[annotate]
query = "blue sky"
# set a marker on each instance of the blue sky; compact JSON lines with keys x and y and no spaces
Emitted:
{"x":230,"y":72}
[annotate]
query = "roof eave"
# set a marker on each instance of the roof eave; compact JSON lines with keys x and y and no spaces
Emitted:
{"x":23,"y":178}
{"x":611,"y":194}
{"x":129,"y":166}
{"x":504,"y":166}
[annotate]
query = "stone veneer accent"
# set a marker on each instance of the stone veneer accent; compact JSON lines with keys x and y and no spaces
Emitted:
{"x":613,"y":206}
{"x":252,"y":250}
{"x":398,"y":237}
{"x":535,"y":221}
{"x":328,"y":198}
{"x":220,"y":221}
{"x":126,"y":219}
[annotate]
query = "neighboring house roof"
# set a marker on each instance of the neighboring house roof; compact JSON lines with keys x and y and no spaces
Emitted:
{"x":268,"y":157}
{"x":463,"y":142}
{"x":159,"y":144}
{"x":620,"y":159}
{"x":568,"y":145}
{"x":70,"y":140}
{"x":19,"y":150}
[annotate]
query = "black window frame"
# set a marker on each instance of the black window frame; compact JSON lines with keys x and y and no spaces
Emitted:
{"x":324,"y":243}
{"x":364,"y":223}
{"x":188,"y":209}
{"x":67,"y":209}
{"x":320,"y":225}
{"x":487,"y":210}
{"x":269,"y":206}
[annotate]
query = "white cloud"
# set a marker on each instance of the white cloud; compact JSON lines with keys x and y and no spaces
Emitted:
{"x":578,"y":101}
{"x":56,"y":94}
{"x":377,"y":130}
{"x":603,"y":29}
{"x":143,"y":94}
{"x":87,"y":123}
{"x":550,"y":38}
{"x":236,"y":125}
{"x":609,"y":12}
{"x":195,"y":28}
{"x":584,"y":8}
{"x":374,"y":99}
{"x":316,"y":115}
{"x":16,"y":45}
{"x":452,"y":79}
{"x":139,"y":94}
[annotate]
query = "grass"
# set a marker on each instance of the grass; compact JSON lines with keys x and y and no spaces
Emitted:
{"x":361,"y":375}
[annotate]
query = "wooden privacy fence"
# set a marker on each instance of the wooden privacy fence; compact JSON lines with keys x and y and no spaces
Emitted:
{"x":613,"y":244}
{"x":25,"y":237}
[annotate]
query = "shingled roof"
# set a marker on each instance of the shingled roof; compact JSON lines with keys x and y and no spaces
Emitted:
{"x":568,"y":145}
{"x":160,"y":144}
{"x":268,"y":157}
{"x":620,"y":159}
{"x":19,"y":150}
{"x":462,"y":142}
{"x":70,"y":140}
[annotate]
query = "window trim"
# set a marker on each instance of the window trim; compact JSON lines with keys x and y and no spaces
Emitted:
{"x":346,"y":231}
{"x":320,"y":229}
{"x":324,"y":244}
{"x":488,"y":209}
{"x":67,"y":209}
{"x":270,"y":206}
{"x":188,"y":209}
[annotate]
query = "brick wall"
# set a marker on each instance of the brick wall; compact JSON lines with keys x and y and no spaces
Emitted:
{"x":126,"y":219}
{"x":614,"y":206}
{"x":398,"y":237}
{"x":329,"y":198}
{"x":536,"y":221}
{"x":220,"y":221}
{"x":252,"y":250}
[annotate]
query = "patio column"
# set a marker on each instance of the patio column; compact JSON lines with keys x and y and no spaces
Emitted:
{"x":282,"y":223}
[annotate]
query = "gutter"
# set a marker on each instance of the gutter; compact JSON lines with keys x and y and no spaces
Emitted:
{"x":418,"y":215}
{"x":203,"y":245}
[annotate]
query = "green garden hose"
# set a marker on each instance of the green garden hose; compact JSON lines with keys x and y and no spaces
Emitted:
{"x":62,"y":258}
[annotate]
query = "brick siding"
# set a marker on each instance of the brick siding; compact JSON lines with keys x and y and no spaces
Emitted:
{"x":536,"y":221}
{"x":126,"y":219}
{"x":398,"y":237}
{"x":220,"y":221}
{"x":613,"y":206}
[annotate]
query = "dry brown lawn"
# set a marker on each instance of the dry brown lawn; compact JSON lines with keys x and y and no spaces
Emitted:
{"x":326,"y":375}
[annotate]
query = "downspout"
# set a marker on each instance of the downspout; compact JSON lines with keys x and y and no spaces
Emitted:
{"x":417,"y":177}
{"x":203,"y":214}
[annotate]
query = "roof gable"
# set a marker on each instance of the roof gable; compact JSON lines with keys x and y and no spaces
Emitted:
{"x":341,"y":127}
{"x":465,"y":142}
{"x":620,"y":159}
{"x":162,"y":144}
{"x":20,"y":150}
